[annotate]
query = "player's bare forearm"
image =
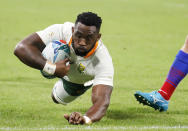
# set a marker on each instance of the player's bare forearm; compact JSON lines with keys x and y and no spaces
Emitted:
{"x":101,"y":99}
{"x":29,"y":51}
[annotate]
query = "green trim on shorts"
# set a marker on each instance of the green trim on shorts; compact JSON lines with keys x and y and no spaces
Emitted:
{"x":74,"y":89}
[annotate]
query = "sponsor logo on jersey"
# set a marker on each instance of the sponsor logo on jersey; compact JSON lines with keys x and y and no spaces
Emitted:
{"x":81,"y":68}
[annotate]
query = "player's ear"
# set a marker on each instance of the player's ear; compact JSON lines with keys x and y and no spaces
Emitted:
{"x":72,"y":30}
{"x":98,"y":37}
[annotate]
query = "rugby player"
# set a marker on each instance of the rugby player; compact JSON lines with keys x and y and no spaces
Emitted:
{"x":90,"y":65}
{"x":159,"y":100}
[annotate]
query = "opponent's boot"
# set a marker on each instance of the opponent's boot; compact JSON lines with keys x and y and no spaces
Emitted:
{"x":152,"y":99}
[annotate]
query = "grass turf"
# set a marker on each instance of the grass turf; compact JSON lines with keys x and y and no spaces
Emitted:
{"x":143,"y":38}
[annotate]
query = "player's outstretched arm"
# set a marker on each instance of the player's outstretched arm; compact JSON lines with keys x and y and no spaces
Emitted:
{"x":29,"y":51}
{"x":101,"y":99}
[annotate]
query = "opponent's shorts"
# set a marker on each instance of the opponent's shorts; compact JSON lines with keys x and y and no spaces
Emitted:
{"x":65,"y":92}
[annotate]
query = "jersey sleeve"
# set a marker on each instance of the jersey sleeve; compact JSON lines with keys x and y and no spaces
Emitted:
{"x":56,"y":32}
{"x":104,"y":71}
{"x":51,"y":33}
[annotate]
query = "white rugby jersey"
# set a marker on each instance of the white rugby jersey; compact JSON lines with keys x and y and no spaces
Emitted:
{"x":96,"y":66}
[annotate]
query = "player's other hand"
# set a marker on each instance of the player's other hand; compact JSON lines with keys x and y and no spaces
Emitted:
{"x":75,"y":118}
{"x":62,"y":68}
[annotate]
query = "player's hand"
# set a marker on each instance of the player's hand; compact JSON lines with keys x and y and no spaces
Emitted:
{"x":62,"y":68}
{"x":75,"y":118}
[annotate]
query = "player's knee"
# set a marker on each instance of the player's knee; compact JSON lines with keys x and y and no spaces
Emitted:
{"x":59,"y":94}
{"x":185,"y":46}
{"x":54,"y":100}
{"x":187,"y":37}
{"x":186,"y":40}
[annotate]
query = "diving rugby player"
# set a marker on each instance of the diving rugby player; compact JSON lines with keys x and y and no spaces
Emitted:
{"x":90,"y":66}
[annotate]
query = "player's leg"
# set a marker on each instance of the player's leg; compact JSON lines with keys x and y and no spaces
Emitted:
{"x":185,"y":46}
{"x":65,"y":92}
{"x":179,"y":69}
{"x":60,"y":95}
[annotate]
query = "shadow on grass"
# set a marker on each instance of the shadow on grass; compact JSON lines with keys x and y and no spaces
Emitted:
{"x":127,"y":113}
{"x":138,"y":116}
{"x":121,"y":117}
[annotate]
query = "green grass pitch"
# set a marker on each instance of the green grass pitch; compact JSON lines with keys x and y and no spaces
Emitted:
{"x":142,"y":36}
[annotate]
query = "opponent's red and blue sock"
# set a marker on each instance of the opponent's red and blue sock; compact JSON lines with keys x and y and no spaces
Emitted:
{"x":177,"y":72}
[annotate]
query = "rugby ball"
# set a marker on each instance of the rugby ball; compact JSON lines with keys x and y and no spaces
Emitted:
{"x":55,"y":51}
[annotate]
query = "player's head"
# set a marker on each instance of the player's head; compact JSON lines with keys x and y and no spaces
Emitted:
{"x":86,"y":32}
{"x":89,"y":19}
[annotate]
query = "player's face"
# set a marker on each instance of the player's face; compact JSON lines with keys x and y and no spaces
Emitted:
{"x":84,"y":38}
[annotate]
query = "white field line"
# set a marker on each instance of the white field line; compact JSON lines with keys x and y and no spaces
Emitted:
{"x":96,"y":128}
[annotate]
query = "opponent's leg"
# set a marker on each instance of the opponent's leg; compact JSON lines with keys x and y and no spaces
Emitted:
{"x":185,"y":46}
{"x":179,"y":69}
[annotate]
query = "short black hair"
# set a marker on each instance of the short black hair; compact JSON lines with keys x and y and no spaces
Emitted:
{"x":89,"y":19}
